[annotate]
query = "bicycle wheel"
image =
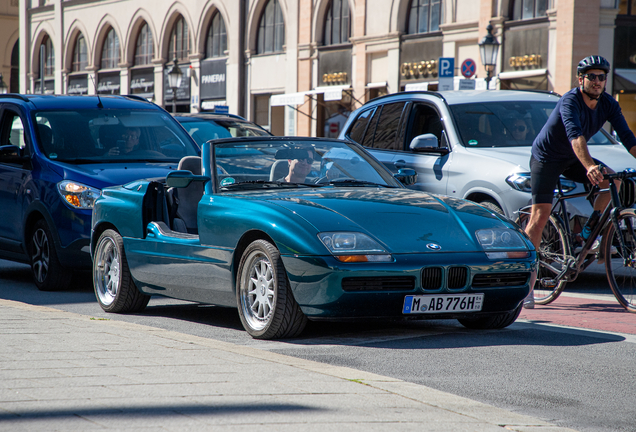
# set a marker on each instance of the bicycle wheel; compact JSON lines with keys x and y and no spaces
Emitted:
{"x":553,"y":253}
{"x":621,"y":269}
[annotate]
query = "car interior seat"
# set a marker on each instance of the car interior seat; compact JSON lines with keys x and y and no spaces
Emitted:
{"x":184,"y":202}
{"x":279,"y":169}
{"x":46,"y":138}
{"x":109,"y":135}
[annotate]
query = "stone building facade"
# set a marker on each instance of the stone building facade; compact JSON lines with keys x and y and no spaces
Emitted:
{"x":297,"y":66}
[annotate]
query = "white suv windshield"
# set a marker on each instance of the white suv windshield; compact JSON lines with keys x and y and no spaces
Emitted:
{"x":505,"y":124}
{"x":94,"y":135}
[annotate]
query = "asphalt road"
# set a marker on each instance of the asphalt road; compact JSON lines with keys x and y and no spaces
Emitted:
{"x":550,"y":364}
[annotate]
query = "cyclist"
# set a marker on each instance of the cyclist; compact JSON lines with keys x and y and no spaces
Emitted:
{"x":561,"y":146}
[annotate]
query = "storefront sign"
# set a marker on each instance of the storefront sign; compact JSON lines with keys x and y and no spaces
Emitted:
{"x":213,"y":79}
{"x":334,"y":67}
{"x":77,"y":85}
{"x":419,"y":60}
{"x":108,"y":83}
{"x":183,"y":92}
{"x":525,"y":49}
{"x":142,"y":82}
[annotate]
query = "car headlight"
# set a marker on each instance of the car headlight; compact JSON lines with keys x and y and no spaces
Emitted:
{"x":78,"y":195}
{"x":354,"y":247}
{"x":521,"y":182}
{"x":501,"y":243}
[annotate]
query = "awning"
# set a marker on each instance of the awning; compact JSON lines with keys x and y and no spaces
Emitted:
{"x":522,"y":74}
{"x":626,"y":79}
{"x":331,"y":93}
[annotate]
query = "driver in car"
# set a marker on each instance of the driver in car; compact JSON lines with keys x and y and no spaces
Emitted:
{"x":299,"y":167}
{"x":128,"y":143}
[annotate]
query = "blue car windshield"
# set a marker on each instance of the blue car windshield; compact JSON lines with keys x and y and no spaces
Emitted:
{"x":506,"y":124}
{"x":110,"y":135}
{"x":282,"y":163}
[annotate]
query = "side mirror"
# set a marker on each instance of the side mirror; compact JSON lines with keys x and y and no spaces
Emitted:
{"x":427,"y":143}
{"x":183,"y":178}
{"x":406,"y":176}
{"x":10,"y":150}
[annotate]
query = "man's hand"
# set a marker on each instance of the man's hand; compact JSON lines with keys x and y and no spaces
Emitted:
{"x":595,"y":174}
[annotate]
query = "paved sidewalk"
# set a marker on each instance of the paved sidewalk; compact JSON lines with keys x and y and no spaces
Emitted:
{"x":61,"y":371}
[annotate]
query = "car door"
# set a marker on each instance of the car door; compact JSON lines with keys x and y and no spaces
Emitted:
{"x":430,"y":163}
{"x":15,"y":172}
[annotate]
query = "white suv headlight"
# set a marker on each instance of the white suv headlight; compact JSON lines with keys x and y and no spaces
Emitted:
{"x":78,"y":195}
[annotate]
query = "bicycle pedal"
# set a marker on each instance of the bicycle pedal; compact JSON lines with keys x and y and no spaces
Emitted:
{"x":548,"y":283}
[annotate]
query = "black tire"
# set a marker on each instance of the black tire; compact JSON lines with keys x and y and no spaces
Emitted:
{"x":622,"y":278}
{"x":114,"y":287}
{"x":492,"y":206}
{"x":48,"y":273}
{"x":266,"y":305}
{"x":497,"y":321}
{"x":553,"y":251}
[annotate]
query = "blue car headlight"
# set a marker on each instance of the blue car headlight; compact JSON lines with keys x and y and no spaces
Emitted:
{"x":354,"y":247}
{"x":78,"y":195}
{"x":501,"y":243}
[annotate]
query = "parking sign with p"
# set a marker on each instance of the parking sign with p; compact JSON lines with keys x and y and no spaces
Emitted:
{"x":446,"y":67}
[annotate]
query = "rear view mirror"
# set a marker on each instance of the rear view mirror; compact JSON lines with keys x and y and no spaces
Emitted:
{"x":406,"y":176}
{"x":183,"y":178}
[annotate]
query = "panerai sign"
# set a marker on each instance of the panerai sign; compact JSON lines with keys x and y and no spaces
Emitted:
{"x":213,"y":76}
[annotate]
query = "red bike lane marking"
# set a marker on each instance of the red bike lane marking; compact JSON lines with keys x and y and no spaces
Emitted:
{"x":586,"y":313}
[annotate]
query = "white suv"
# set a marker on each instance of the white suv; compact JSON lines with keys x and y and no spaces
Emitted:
{"x":469,"y":144}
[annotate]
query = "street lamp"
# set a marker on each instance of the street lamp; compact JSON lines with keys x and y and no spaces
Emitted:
{"x":174,"y":82}
{"x":488,"y":48}
{"x":3,"y":86}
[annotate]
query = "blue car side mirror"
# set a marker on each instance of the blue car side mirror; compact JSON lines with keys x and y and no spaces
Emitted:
{"x":183,"y":178}
{"x":406,"y":176}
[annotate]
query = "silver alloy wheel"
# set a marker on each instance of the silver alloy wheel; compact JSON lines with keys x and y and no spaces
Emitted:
{"x":107,"y":271}
{"x":40,"y":255}
{"x":257,"y":295}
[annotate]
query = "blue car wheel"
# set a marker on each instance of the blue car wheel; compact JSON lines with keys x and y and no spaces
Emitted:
{"x":266,"y":305}
{"x":114,"y":287}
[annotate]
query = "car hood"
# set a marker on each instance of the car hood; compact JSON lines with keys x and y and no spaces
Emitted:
{"x":110,"y":174}
{"x":403,"y":220}
{"x":614,"y":156}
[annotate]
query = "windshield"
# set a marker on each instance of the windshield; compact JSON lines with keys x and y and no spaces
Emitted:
{"x":203,"y":130}
{"x":106,"y":135}
{"x":506,"y":124}
{"x":299,"y":163}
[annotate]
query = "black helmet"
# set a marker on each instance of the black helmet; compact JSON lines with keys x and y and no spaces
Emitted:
{"x":593,"y":62}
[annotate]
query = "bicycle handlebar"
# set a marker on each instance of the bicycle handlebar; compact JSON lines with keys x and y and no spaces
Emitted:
{"x":628,"y":173}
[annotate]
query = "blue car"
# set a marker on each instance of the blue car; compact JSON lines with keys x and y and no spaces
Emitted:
{"x":56,"y":155}
{"x":291,"y":229}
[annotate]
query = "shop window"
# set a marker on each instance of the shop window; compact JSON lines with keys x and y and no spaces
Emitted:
{"x":216,"y":41}
{"x":179,"y":41}
{"x":528,"y":9}
{"x":144,"y":50}
{"x":80,"y":54}
{"x":337,"y":23}
{"x":110,"y":51}
{"x":627,"y":7}
{"x":271,"y":29}
{"x":425,"y":16}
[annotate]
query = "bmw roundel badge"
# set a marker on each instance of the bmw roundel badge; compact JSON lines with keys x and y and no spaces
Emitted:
{"x":434,"y":246}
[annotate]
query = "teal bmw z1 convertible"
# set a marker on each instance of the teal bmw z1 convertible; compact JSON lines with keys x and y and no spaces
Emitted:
{"x":290,"y":229}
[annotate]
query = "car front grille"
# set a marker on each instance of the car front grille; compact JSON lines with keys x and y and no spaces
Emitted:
{"x":495,"y":280}
{"x":457,"y":277}
{"x":396,"y":283}
{"x":432,"y":278}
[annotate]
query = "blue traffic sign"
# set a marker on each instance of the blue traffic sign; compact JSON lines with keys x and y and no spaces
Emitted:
{"x":446,"y":67}
{"x":468,"y":68}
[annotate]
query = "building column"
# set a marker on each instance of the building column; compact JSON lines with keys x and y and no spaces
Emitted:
{"x":359,"y":61}
{"x":306,"y":50}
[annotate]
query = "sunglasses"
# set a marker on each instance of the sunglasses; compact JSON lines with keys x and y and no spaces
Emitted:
{"x":307,"y":160}
{"x":592,"y":77}
{"x":520,"y":128}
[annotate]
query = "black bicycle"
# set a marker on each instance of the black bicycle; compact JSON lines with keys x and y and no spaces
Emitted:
{"x":561,"y":261}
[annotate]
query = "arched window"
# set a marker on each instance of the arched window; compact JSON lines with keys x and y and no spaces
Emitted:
{"x":528,"y":9}
{"x":337,"y":23}
{"x":179,"y":41}
{"x":271,"y":29}
{"x":144,"y":50}
{"x":80,"y":54}
{"x":49,"y":56}
{"x":110,"y":50}
{"x":425,"y":16}
{"x":216,"y":42}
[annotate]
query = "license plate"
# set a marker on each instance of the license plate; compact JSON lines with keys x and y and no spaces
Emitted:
{"x":422,"y":304}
